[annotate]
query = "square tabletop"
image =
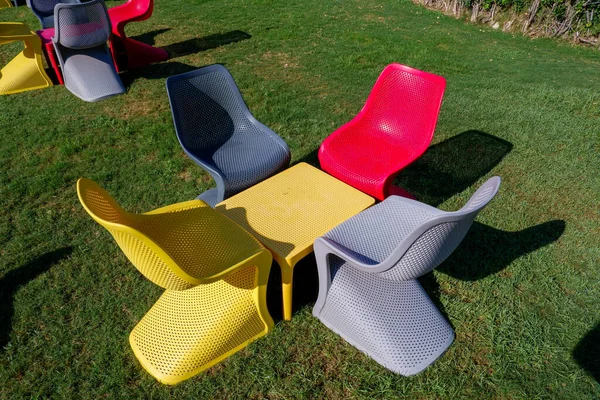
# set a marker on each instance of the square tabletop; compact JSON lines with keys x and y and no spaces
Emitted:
{"x":288,"y":211}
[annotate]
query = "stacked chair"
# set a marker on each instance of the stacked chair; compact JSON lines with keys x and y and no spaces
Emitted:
{"x":74,"y":37}
{"x":130,"y":53}
{"x":215,"y":272}
{"x":44,"y":10}
{"x":26,"y":70}
{"x":80,"y":35}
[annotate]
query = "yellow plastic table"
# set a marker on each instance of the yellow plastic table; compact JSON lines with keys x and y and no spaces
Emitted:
{"x":288,"y":211}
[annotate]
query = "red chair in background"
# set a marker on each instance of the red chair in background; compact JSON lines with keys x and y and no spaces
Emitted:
{"x":392,"y":130}
{"x":130,"y":53}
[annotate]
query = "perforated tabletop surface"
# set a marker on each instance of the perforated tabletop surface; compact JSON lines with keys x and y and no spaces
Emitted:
{"x":288,"y":211}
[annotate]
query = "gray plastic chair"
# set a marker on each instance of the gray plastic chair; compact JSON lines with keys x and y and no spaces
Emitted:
{"x":44,"y":10}
{"x":368,"y":265}
{"x":81,"y":33}
{"x":218,"y":132}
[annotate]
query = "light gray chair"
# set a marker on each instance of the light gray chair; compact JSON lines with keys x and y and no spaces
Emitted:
{"x":44,"y":10}
{"x":81,"y":33}
{"x":368,"y":265}
{"x":218,"y":132}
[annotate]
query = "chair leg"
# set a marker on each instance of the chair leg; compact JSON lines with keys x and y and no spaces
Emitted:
{"x":191,"y":330}
{"x":25,"y":71}
{"x":137,"y":54}
{"x":50,"y":54}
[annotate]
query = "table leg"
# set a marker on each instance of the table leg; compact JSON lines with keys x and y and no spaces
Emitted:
{"x":287,"y":275}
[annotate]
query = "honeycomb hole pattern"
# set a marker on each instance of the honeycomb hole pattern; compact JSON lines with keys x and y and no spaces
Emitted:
{"x":188,"y":331}
{"x":394,"y":128}
{"x":213,"y":126}
{"x":193,"y":237}
{"x":84,"y":26}
{"x":388,"y":223}
{"x":394,"y":322}
{"x":429,"y":250}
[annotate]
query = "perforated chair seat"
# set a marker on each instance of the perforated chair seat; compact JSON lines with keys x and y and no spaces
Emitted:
{"x":392,"y":130}
{"x":215,"y":274}
{"x":395,"y":323}
{"x":188,"y":331}
{"x":368,"y":266}
{"x":216,"y":130}
{"x":90,"y":75}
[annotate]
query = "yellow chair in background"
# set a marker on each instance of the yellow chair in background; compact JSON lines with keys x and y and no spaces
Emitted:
{"x":26,"y":70}
{"x":215,"y":274}
{"x":5,"y":3}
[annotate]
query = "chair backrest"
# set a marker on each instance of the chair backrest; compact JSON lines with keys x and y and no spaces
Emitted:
{"x":141,"y":9}
{"x":207,"y":110}
{"x":144,"y":253}
{"x":430,"y":244}
{"x":404,"y":104}
{"x":81,"y":26}
{"x":44,"y":11}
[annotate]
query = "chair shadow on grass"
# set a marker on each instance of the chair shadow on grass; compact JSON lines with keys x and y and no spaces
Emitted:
{"x":451,"y":166}
{"x":191,"y":46}
{"x":587,"y":353}
{"x":446,"y":169}
{"x":15,"y":279}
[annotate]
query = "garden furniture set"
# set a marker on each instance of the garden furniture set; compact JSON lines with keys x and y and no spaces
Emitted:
{"x":74,"y":39}
{"x":212,"y":255}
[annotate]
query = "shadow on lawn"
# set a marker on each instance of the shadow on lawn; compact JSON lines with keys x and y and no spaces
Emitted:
{"x":13,"y":280}
{"x":450,"y":167}
{"x":191,"y":46}
{"x":446,"y":169}
{"x":587,"y":353}
{"x":484,"y":251}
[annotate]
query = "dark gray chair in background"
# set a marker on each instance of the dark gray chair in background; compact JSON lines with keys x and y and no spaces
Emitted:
{"x":218,"y":132}
{"x":44,"y":10}
{"x":368,"y":265}
{"x":81,"y":33}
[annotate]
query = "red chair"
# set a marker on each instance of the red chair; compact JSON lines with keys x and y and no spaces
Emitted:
{"x":48,"y":47}
{"x":130,"y":53}
{"x":393,"y":129}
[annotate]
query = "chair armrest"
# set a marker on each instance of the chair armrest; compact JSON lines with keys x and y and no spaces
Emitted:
{"x":369,"y":239}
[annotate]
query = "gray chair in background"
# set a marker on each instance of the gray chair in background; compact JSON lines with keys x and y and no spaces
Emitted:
{"x":368,"y":265}
{"x":44,"y":10}
{"x":81,"y":33}
{"x":218,"y":132}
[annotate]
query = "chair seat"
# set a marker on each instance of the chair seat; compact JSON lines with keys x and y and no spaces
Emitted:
{"x":188,"y":331}
{"x":245,"y":159}
{"x":366,"y":156}
{"x":394,"y":322}
{"x":90,"y":75}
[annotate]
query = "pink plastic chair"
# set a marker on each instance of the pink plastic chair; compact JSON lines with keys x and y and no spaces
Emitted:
{"x":48,"y":48}
{"x":393,"y":129}
{"x":130,"y":53}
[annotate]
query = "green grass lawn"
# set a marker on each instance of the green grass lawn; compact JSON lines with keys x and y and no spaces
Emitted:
{"x":522,"y":292}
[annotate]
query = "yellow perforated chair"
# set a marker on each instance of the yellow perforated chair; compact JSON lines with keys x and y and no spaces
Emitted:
{"x":215,"y":274}
{"x":26,"y":70}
